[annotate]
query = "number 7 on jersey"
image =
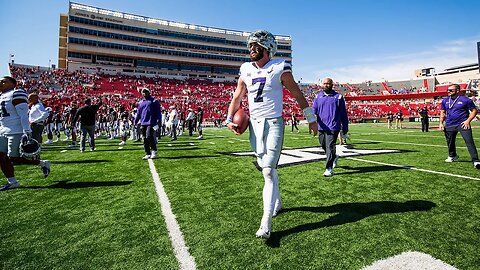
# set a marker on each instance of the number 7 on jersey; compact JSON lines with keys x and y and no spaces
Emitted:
{"x":262,"y":81}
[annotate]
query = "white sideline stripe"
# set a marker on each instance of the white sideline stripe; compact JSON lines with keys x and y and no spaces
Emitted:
{"x":413,"y":168}
{"x":402,"y":134}
{"x":187,"y":262}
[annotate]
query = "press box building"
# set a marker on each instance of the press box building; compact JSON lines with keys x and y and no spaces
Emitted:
{"x":94,"y":39}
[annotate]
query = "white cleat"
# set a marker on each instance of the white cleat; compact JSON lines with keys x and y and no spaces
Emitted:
{"x":262,"y":233}
{"x":328,"y":173}
{"x":122,"y":143}
{"x":452,"y":159}
{"x":10,"y":186}
{"x":154,"y":155}
{"x":146,"y":157}
{"x":45,"y":166}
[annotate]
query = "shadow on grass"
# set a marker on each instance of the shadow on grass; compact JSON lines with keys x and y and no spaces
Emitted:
{"x":366,"y":169}
{"x":190,"y":157}
{"x":65,"y":184}
{"x":173,"y":148}
{"x":347,"y":213}
{"x":178,"y":143}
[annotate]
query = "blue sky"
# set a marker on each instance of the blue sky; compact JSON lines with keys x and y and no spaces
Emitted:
{"x":348,"y":40}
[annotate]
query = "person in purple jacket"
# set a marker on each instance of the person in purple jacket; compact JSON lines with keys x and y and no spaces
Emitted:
{"x":149,"y":116}
{"x":329,"y":106}
{"x":457,"y":111}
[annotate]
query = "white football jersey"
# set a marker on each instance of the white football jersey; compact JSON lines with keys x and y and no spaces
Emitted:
{"x":173,"y":117}
{"x":264,"y":87}
{"x":9,"y":118}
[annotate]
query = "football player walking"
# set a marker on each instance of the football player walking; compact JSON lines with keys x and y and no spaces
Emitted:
{"x":263,"y":80}
{"x":14,"y":125}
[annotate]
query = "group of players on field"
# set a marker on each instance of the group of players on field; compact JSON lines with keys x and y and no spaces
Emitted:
{"x":116,"y":123}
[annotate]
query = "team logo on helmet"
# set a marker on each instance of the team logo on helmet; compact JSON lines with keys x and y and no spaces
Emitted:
{"x":264,"y":39}
{"x":30,"y":148}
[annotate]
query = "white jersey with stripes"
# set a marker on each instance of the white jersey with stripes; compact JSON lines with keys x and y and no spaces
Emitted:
{"x":264,"y":87}
{"x":9,"y":118}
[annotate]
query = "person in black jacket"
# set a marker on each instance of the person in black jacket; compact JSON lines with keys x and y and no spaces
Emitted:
{"x":200,"y":123}
{"x":399,"y":119}
{"x":87,"y":116}
{"x":424,"y":117}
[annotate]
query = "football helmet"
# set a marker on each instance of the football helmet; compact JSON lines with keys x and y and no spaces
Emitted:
{"x":29,"y":148}
{"x":264,"y":39}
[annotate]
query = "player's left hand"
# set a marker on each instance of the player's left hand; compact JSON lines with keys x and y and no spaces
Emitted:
{"x":466,"y":124}
{"x":313,"y":127}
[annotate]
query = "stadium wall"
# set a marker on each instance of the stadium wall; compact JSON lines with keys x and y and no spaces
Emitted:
{"x":101,"y":40}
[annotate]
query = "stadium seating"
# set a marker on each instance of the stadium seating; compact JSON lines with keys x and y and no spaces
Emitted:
{"x":59,"y":88}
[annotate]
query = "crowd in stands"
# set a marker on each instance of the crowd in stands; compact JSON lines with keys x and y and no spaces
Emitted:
{"x":58,"y":88}
{"x":370,"y":90}
{"x":380,"y":108}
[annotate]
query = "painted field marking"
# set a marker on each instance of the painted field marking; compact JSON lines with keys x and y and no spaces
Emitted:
{"x":187,"y":262}
{"x":410,"y":260}
{"x":407,"y":143}
{"x":413,"y":168}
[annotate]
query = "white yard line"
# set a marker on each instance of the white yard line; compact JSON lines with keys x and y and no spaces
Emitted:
{"x":413,"y":168}
{"x":417,"y":144}
{"x":423,"y":135}
{"x":187,"y":262}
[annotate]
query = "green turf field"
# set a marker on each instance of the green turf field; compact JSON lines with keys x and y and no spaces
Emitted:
{"x":99,"y":210}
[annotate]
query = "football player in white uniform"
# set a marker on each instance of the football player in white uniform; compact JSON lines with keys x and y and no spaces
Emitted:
{"x":263,"y":80}
{"x":173,"y":120}
{"x":13,"y":125}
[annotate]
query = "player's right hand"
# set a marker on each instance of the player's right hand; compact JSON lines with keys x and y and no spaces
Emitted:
{"x":233,"y":127}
